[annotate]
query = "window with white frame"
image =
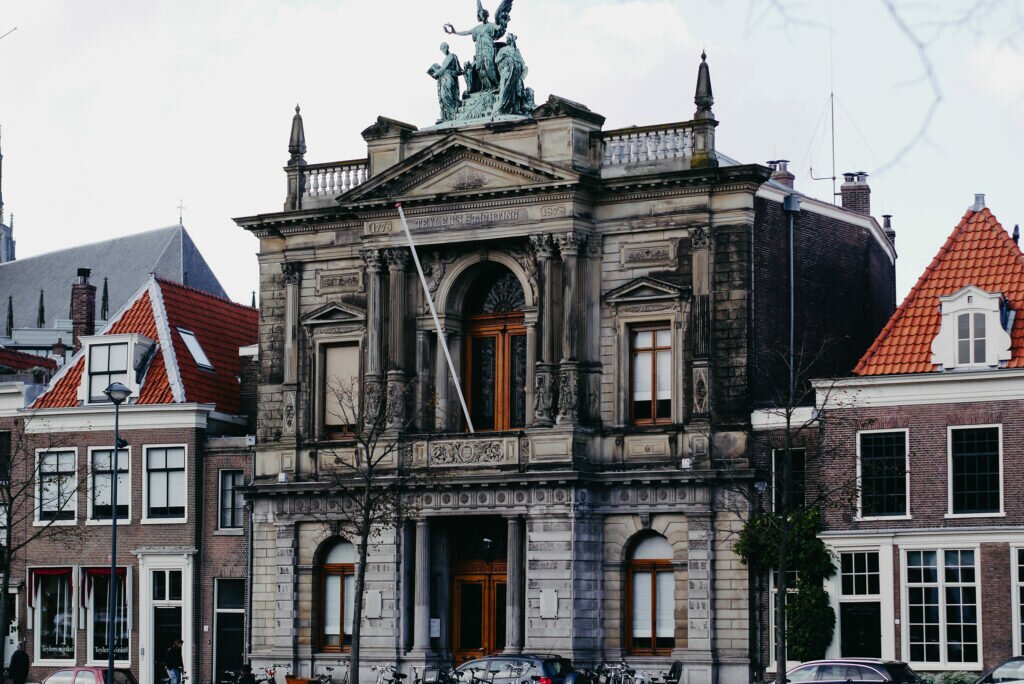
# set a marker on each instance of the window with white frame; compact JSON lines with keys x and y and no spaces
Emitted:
{"x":55,"y":622}
{"x":1018,"y":565}
{"x":792,"y":577}
{"x":883,"y":473}
{"x":56,"y":490}
{"x":165,"y":482}
{"x":98,"y":585}
{"x":167,"y":585}
{"x":975,"y":470}
{"x":101,"y":488}
{"x":107,"y":363}
{"x":974,"y":331}
{"x":942,"y":607}
{"x":859,"y":573}
{"x":231,"y":482}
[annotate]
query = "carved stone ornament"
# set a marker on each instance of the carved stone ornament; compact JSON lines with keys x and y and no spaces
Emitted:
{"x":571,"y":243}
{"x":435,"y":266}
{"x":467,"y":452}
{"x":700,"y":390}
{"x":397,"y":259}
{"x":543,"y":245}
{"x":292,"y":272}
{"x":544,"y":396}
{"x":339,"y":281}
{"x":568,"y":394}
{"x":648,"y":255}
{"x":701,"y":238}
{"x":289,"y":412}
{"x":374,"y":395}
{"x":373,"y":258}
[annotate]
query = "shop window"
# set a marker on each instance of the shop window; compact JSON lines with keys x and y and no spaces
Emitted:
{"x":651,"y":604}
{"x":55,"y":623}
{"x":98,"y":584}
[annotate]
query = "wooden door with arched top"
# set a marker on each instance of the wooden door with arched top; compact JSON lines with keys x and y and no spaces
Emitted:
{"x":478,"y":609}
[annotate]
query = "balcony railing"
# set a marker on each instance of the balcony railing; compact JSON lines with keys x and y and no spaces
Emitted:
{"x":327,"y":181}
{"x":628,"y":146}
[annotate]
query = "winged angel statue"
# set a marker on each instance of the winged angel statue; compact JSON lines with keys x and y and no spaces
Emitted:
{"x":494,"y":78}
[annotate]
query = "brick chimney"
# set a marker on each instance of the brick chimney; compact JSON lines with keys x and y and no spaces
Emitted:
{"x":890,"y":232}
{"x":781,"y":173}
{"x":83,"y":308}
{"x":856,"y":192}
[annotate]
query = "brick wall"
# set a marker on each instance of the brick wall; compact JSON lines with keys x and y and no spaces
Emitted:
{"x":845,"y":292}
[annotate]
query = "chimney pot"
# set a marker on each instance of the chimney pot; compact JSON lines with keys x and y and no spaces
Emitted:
{"x":1016,"y":233}
{"x":781,"y":173}
{"x":856,"y":193}
{"x":979,"y":201}
{"x":887,"y":221}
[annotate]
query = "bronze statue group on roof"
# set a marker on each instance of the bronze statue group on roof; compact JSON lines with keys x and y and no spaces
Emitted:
{"x":494,"y":86}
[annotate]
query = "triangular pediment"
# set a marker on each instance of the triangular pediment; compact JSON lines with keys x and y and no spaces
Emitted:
{"x":459,"y":166}
{"x":646,"y":290}
{"x":335,"y":312}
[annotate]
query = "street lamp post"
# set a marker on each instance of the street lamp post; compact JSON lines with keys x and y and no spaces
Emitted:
{"x":117,"y":393}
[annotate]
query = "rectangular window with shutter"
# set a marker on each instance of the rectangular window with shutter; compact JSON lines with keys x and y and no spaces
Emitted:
{"x":341,"y":389}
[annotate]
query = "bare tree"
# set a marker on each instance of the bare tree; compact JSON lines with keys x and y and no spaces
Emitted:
{"x":366,"y":468}
{"x":36,"y":493}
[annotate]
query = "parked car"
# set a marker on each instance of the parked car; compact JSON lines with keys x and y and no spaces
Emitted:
{"x":842,"y":670}
{"x":1010,"y":670}
{"x":509,"y":669}
{"x":89,"y":675}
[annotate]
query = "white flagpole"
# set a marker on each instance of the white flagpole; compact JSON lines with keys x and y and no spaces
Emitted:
{"x":441,"y":340}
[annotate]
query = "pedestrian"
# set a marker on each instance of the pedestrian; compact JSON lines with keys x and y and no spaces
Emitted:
{"x":246,"y":677}
{"x":173,"y":663}
{"x":18,"y":667}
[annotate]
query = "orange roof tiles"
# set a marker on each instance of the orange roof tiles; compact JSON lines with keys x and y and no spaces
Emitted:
{"x":979,"y":252}
{"x":17,"y":360}
{"x":220,"y":326}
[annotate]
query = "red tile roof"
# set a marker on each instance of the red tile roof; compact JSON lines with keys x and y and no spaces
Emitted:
{"x":21,"y":361}
{"x":172,"y":375}
{"x":979,"y":252}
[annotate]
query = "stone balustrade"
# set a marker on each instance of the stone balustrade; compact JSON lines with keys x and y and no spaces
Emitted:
{"x":628,"y":146}
{"x":327,"y":181}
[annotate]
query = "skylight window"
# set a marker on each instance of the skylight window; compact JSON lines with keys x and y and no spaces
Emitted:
{"x":196,"y":349}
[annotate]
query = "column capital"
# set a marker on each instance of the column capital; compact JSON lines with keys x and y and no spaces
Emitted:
{"x":701,"y":238}
{"x":570,"y":244}
{"x":543,"y":245}
{"x":292,"y":272}
{"x":373,"y":258}
{"x":396,"y":258}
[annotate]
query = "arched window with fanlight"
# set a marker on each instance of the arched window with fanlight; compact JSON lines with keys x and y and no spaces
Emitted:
{"x":337,"y":596}
{"x":650,"y":608}
{"x":495,"y":368}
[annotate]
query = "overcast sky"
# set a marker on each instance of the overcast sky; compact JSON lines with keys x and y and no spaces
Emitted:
{"x":113,"y":110}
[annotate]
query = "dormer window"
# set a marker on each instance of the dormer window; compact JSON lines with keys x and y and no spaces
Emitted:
{"x":107,"y":363}
{"x":974,"y":332}
{"x":113,"y":358}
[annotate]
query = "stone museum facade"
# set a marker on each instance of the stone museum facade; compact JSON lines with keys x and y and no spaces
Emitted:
{"x":613,"y":302}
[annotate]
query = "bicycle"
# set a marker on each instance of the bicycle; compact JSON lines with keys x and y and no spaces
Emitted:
{"x":325,"y":677}
{"x":384,"y":670}
{"x":270,"y":673}
{"x":442,"y":675}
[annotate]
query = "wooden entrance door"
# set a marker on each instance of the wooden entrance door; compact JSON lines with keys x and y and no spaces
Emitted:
{"x":478,"y":611}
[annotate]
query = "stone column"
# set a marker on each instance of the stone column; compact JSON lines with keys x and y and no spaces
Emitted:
{"x":515,"y":595}
{"x":700,"y":325}
{"x":397,"y":351}
{"x":544,"y":378}
{"x":423,"y":386}
{"x":421,"y":603}
{"x":573,"y":314}
{"x":374,"y":375}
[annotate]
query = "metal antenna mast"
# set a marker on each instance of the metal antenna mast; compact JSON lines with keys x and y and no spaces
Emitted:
{"x":832,"y":112}
{"x":9,"y":33}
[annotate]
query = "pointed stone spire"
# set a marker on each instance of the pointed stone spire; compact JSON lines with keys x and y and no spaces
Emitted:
{"x":104,"y":302}
{"x":41,"y":315}
{"x":703,"y":98}
{"x":253,"y":305}
{"x":297,"y":141}
{"x":9,"y":327}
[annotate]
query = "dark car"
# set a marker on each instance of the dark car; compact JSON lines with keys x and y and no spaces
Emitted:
{"x":88,"y":675}
{"x":1010,"y":670}
{"x":510,"y":669}
{"x":842,"y":670}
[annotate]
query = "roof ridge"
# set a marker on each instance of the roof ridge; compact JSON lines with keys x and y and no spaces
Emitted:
{"x":204,"y":293}
{"x":87,"y":244}
{"x":163,"y":328}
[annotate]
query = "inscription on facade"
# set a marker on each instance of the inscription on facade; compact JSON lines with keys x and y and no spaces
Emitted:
{"x":338,"y":281}
{"x":651,"y":254}
{"x":379,"y":227}
{"x":470,"y":219}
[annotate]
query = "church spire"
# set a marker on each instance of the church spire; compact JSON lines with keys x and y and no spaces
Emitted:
{"x":41,"y":314}
{"x":105,"y":302}
{"x":703,"y":98}
{"x":9,"y":326}
{"x":297,"y":141}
